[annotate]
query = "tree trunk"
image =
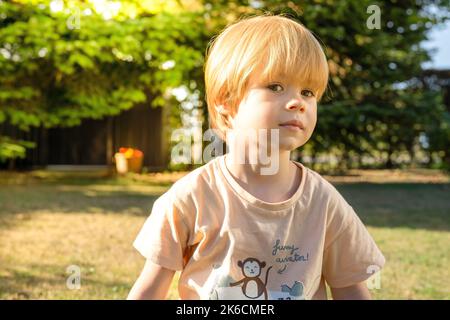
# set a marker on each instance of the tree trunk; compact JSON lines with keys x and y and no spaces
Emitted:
{"x":109,"y":141}
{"x":11,"y":164}
{"x":360,"y":160}
{"x":389,"y":164}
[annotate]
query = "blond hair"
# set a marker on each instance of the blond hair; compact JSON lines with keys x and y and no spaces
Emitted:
{"x":280,"y":45}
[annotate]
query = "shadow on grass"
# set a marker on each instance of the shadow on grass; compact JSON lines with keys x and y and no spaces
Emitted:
{"x":44,"y":177}
{"x":400,"y":205}
{"x":19,"y":203}
{"x":62,"y":201}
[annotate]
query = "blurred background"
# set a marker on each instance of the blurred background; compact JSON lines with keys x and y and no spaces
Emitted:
{"x":97,"y":96}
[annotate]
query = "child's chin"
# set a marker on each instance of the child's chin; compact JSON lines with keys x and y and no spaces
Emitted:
{"x":290,"y":144}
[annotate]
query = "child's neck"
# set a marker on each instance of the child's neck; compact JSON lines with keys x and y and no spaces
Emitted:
{"x":277,"y":187}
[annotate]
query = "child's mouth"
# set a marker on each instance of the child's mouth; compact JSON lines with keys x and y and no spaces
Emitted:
{"x":291,"y":127}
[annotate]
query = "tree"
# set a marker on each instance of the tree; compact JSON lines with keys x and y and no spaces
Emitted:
{"x":58,"y":67}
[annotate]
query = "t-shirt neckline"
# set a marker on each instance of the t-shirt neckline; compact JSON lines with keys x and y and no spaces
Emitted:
{"x":248,"y":197}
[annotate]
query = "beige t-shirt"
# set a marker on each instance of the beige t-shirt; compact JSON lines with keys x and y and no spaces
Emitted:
{"x":229,"y":244}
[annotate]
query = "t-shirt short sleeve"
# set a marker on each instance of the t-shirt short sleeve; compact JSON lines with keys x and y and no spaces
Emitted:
{"x":164,"y":235}
{"x":351,"y":256}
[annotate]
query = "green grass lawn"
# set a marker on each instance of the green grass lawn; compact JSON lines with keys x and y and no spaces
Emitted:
{"x":49,"y":221}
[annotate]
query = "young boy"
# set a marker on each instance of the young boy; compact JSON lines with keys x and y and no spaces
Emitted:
{"x":235,"y":232}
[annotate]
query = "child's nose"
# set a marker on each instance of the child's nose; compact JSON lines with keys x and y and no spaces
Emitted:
{"x":296,"y":105}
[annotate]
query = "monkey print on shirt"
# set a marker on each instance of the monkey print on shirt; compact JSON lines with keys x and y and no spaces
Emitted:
{"x":251,"y":285}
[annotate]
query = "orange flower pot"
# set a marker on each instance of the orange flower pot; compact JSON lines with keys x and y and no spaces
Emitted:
{"x":129,"y":160}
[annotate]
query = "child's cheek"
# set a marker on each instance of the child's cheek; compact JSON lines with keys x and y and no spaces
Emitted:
{"x":253,"y":117}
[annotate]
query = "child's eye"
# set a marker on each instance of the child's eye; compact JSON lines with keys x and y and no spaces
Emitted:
{"x":307,"y":93}
{"x":275,"y":87}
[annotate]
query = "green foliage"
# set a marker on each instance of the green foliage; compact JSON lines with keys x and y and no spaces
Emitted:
{"x":57,"y":70}
{"x":55,"y":75}
{"x":11,"y":149}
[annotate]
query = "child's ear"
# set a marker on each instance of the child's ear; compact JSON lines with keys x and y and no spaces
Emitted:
{"x":222,"y":109}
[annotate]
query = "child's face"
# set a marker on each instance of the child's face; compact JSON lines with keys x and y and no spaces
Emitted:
{"x":268,"y":105}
